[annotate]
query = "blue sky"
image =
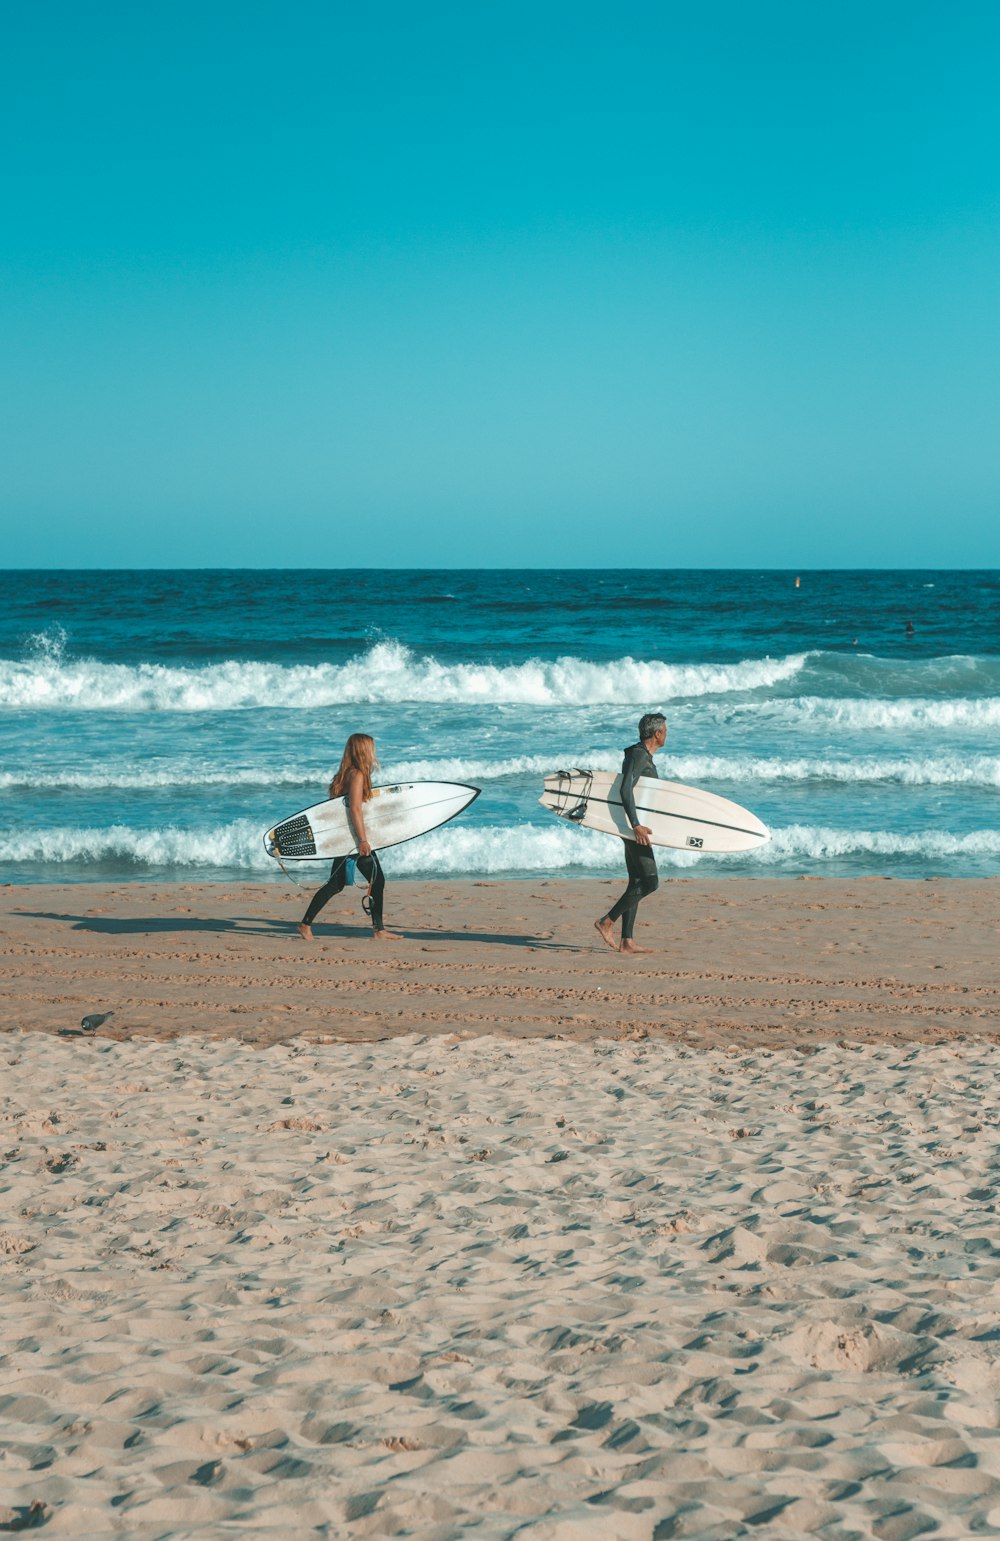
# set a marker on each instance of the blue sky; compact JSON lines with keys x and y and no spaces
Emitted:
{"x":474,"y":284}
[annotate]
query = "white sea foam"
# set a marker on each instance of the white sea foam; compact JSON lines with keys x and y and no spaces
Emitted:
{"x":238,"y":845}
{"x":820,"y":844}
{"x":387,"y":673}
{"x":499,"y":849}
{"x":977,"y":770}
{"x":475,"y":850}
{"x":138,"y":778}
{"x":559,"y":848}
{"x":862,"y":715}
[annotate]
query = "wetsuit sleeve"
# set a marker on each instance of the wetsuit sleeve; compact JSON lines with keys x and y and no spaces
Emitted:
{"x":631,"y":771}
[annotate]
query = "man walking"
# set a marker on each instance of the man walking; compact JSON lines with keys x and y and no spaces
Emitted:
{"x":639,"y":858}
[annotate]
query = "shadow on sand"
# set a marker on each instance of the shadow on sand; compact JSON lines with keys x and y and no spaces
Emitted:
{"x":248,"y":925}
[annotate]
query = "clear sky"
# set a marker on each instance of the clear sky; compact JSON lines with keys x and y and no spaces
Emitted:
{"x":457,"y":283}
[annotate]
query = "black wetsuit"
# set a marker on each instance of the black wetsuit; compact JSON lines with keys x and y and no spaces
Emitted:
{"x":370,"y":867}
{"x":639,"y":859}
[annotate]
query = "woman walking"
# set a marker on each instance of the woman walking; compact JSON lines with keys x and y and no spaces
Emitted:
{"x":353,"y":781}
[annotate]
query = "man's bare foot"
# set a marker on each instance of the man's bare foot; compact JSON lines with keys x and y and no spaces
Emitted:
{"x":629,"y":946}
{"x":605,"y":929}
{"x":306,"y":932}
{"x":387,"y":936}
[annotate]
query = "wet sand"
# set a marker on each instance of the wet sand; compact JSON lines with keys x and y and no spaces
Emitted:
{"x":782,"y":962}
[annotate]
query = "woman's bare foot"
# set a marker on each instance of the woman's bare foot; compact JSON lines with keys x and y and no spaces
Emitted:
{"x":387,"y":936}
{"x":629,"y":946}
{"x":605,"y":928}
{"x":306,"y":932}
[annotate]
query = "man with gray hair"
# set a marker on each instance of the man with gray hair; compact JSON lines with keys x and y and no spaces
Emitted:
{"x":639,"y":858}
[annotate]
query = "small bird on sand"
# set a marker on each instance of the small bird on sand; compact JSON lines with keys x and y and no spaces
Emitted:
{"x":92,"y":1023}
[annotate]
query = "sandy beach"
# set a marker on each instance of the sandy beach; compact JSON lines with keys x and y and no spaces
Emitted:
{"x":493,"y":1233}
{"x":772,"y":962}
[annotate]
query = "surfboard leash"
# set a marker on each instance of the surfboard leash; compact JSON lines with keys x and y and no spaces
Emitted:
{"x":276,"y":854}
{"x":366,"y":903}
{"x":287,"y":873}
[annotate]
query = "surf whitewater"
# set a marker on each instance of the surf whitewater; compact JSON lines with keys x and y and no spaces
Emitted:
{"x":386,"y":673}
{"x":522,"y":850}
{"x":158,"y":723}
{"x":736,"y":772}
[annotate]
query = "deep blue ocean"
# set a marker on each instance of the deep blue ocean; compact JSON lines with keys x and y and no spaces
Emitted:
{"x":154,"y":724}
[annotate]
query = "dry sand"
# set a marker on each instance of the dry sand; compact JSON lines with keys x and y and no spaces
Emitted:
{"x":714,"y":1254}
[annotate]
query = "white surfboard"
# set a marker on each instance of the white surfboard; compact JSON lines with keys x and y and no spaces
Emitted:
{"x":679,"y":816}
{"x":394,"y":814}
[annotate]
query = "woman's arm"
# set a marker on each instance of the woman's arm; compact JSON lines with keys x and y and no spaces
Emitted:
{"x":355,"y":811}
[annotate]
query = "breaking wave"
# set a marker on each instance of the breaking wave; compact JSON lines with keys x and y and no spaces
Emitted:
{"x":818,"y":844}
{"x":978,"y":770}
{"x":387,"y":673}
{"x":49,"y":676}
{"x":137,"y":778}
{"x":482,"y":850}
{"x":861,"y":715}
{"x":944,"y":771}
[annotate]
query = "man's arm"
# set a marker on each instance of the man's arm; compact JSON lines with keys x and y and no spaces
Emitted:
{"x":631,"y":772}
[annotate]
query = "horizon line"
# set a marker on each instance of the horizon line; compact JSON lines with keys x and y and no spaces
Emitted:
{"x":646,"y":567}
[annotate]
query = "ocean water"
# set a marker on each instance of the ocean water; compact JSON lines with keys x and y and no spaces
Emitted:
{"x":154,"y":724}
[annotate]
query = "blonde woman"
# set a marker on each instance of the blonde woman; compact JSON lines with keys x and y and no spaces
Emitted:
{"x":353,"y":781}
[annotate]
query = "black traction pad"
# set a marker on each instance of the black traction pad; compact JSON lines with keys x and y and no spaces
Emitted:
{"x":294,"y":837}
